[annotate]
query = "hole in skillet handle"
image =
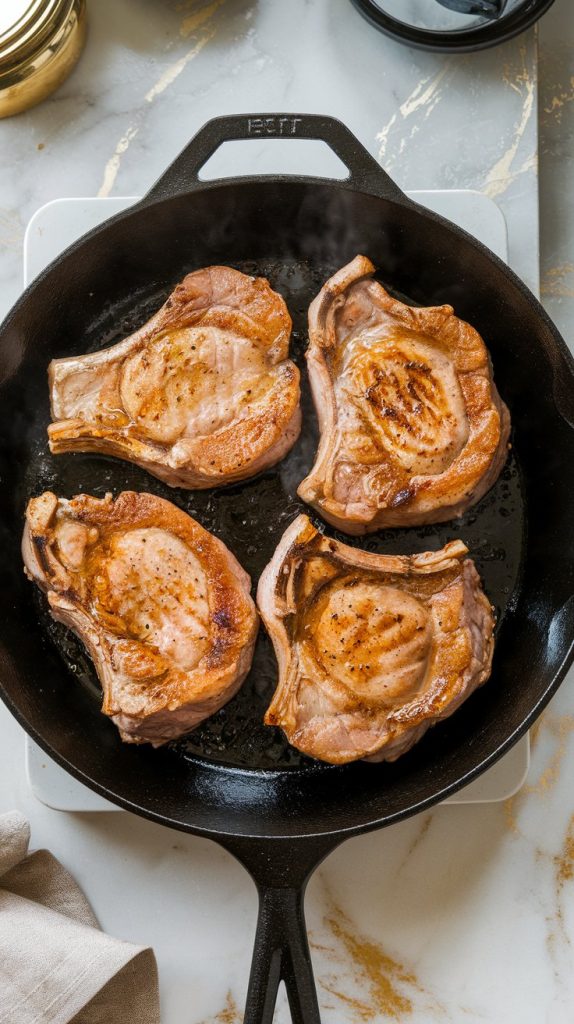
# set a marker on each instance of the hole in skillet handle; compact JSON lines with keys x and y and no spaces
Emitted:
{"x":365,"y":174}
{"x":274,"y":156}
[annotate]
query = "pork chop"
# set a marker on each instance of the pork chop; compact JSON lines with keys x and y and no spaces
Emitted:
{"x":413,"y":429}
{"x":162,"y":607}
{"x":202,"y":395}
{"x":372,"y":649}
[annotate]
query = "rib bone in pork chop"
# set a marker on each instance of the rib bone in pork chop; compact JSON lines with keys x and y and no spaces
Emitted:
{"x":372,"y":649}
{"x":201,"y":395}
{"x":161,"y":605}
{"x":412,"y":427}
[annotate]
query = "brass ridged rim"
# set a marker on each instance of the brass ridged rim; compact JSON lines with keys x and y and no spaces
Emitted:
{"x":36,"y":27}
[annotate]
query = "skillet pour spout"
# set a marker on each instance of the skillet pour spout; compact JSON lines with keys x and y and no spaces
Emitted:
{"x":234,"y":780}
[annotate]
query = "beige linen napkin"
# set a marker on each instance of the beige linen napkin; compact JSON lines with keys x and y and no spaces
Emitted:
{"x":55,"y":964}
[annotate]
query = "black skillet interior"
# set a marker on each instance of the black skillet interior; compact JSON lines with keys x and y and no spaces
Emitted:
{"x":232,"y":775}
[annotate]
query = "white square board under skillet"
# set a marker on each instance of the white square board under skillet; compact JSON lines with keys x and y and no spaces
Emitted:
{"x":57,"y":225}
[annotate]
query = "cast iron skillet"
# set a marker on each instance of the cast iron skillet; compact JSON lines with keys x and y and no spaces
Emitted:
{"x":233,"y":780}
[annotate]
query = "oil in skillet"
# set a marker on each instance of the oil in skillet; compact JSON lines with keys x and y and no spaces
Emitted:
{"x":251,"y":517}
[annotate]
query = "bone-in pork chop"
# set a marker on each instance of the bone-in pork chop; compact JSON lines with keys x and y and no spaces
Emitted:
{"x":203,"y":394}
{"x":162,"y":607}
{"x":372,"y":649}
{"x":413,"y":429}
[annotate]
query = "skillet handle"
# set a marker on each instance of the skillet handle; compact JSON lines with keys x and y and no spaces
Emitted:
{"x":365,"y":174}
{"x":281,"y":868}
{"x":281,"y":953}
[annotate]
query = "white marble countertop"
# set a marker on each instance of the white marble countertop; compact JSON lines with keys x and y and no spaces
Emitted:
{"x":465,"y":913}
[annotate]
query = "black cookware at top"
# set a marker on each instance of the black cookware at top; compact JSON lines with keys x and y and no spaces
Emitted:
{"x":452,"y":25}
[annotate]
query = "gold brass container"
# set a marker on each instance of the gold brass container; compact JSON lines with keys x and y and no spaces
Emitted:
{"x":40,"y":42}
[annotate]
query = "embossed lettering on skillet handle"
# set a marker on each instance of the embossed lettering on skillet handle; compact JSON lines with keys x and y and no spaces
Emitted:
{"x":365,"y":174}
